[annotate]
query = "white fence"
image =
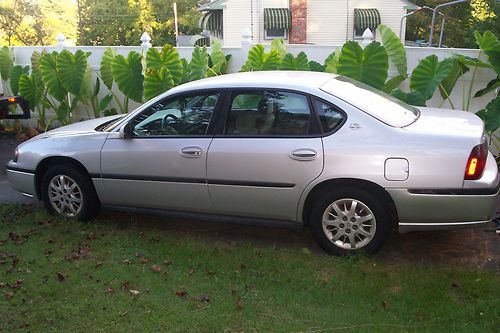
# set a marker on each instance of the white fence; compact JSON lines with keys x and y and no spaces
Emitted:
{"x":459,"y":96}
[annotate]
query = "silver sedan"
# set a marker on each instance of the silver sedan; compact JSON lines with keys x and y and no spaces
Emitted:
{"x":281,"y":148}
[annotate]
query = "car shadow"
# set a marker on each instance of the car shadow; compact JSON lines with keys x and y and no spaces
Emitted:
{"x":475,"y":247}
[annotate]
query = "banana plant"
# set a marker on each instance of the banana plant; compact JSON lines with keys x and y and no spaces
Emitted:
{"x":63,"y":74}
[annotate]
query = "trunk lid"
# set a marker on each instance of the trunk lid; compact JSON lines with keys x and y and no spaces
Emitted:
{"x":447,"y":123}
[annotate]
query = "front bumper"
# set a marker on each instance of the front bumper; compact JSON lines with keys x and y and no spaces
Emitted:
{"x":21,"y":180}
{"x":442,"y":209}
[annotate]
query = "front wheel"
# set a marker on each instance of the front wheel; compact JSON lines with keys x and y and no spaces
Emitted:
{"x":348,"y":221}
{"x":66,"y":192}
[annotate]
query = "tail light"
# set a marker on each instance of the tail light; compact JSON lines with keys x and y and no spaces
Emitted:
{"x":476,"y":162}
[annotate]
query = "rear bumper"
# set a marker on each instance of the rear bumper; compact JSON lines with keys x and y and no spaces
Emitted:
{"x":21,"y":180}
{"x":442,"y":209}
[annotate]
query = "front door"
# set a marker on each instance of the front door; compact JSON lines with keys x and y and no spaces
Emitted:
{"x":163,"y":164}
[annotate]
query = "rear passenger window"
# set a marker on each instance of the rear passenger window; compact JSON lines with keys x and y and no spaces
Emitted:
{"x":268,"y":113}
{"x":330,"y":116}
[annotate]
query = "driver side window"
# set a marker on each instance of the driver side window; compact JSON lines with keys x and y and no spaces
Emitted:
{"x":183,"y":115}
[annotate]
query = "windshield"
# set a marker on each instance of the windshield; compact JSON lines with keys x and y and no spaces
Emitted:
{"x":376,"y":103}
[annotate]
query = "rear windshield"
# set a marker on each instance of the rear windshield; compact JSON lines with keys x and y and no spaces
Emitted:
{"x":376,"y":103}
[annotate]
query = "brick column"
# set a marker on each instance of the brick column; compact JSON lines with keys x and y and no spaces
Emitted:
{"x":298,"y":31}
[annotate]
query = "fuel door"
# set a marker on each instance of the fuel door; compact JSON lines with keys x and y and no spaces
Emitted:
{"x":396,"y":169}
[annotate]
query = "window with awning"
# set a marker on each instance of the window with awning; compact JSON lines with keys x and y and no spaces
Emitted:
{"x":277,"y":18}
{"x":365,"y":18}
{"x":277,"y":21}
{"x":213,"y":22}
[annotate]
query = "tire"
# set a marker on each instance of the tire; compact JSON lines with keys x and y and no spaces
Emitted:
{"x":345,"y":226}
{"x":72,"y":193}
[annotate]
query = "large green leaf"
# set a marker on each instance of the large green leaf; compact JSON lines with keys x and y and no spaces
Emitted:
{"x":199,"y":64}
{"x":48,"y":69}
{"x":278,"y":45}
{"x":35,"y":60}
{"x":259,"y":60}
{"x":457,"y":70}
{"x":315,"y":66}
{"x":6,"y":62}
{"x":218,"y":59}
{"x":492,"y":85}
{"x":71,"y":70}
{"x":298,"y":63}
{"x":127,"y":73}
{"x":15,"y":73}
{"x":157,"y":82}
{"x":332,"y":61}
{"x":490,"y":45}
{"x":429,"y":74}
{"x":106,"y":72}
{"x":412,"y":98}
{"x":186,"y":70}
{"x":28,"y":89}
{"x":491,"y":115}
{"x":393,"y":83}
{"x":168,"y":58}
{"x":395,"y":49}
{"x":369,"y":65}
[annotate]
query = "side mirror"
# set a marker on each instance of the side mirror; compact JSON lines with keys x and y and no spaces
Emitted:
{"x":126,"y":131}
{"x":14,"y":107}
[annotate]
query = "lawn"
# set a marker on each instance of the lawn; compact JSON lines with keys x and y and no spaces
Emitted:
{"x":105,"y":276}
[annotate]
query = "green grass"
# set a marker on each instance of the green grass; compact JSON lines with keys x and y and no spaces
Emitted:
{"x":78,"y":277}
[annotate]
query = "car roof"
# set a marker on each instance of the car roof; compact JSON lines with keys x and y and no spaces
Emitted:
{"x":295,"y":80}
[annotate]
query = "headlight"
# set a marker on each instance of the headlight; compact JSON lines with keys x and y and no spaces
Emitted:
{"x":16,"y":155}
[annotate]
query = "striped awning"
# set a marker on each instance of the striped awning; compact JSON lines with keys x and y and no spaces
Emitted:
{"x":277,"y":18}
{"x":366,"y":18}
{"x":212,"y":21}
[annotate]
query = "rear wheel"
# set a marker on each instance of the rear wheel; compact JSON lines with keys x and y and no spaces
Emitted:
{"x":348,"y":221}
{"x":66,"y":192}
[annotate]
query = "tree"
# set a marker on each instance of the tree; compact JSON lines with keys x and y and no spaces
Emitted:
{"x":460,"y":23}
{"x":122,"y":22}
{"x":35,"y":22}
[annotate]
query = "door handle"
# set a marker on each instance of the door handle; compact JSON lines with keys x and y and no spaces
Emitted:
{"x":304,"y":154}
{"x":191,"y":152}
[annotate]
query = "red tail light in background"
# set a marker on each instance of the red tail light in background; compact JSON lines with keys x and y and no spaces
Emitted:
{"x":476,"y":162}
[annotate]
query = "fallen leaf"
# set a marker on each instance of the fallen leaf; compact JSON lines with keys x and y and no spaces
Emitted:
{"x":144,"y":260}
{"x":181,"y":293}
{"x":17,"y":284}
{"x":134,"y":292}
{"x":127,"y":261}
{"x":385,"y":305}
{"x":2,"y":285}
{"x":91,"y":236}
{"x":3,"y":262}
{"x":110,"y":290}
{"x":50,"y":241}
{"x":233,"y":291}
{"x":167,"y":262}
{"x":203,"y":298}
{"x":148,"y":312}
{"x":238,"y":304}
{"x":28,"y":270}
{"x":123,"y":314}
{"x":210,"y":272}
{"x":61,"y":276}
{"x":8,"y":294}
{"x":191,"y":271}
{"x":155,"y":268}
{"x":99,"y":264}
{"x":125,"y":285}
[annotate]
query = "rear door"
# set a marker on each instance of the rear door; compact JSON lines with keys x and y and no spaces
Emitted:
{"x":266,"y":153}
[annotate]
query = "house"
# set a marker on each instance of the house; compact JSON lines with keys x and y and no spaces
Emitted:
{"x":320,"y":22}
